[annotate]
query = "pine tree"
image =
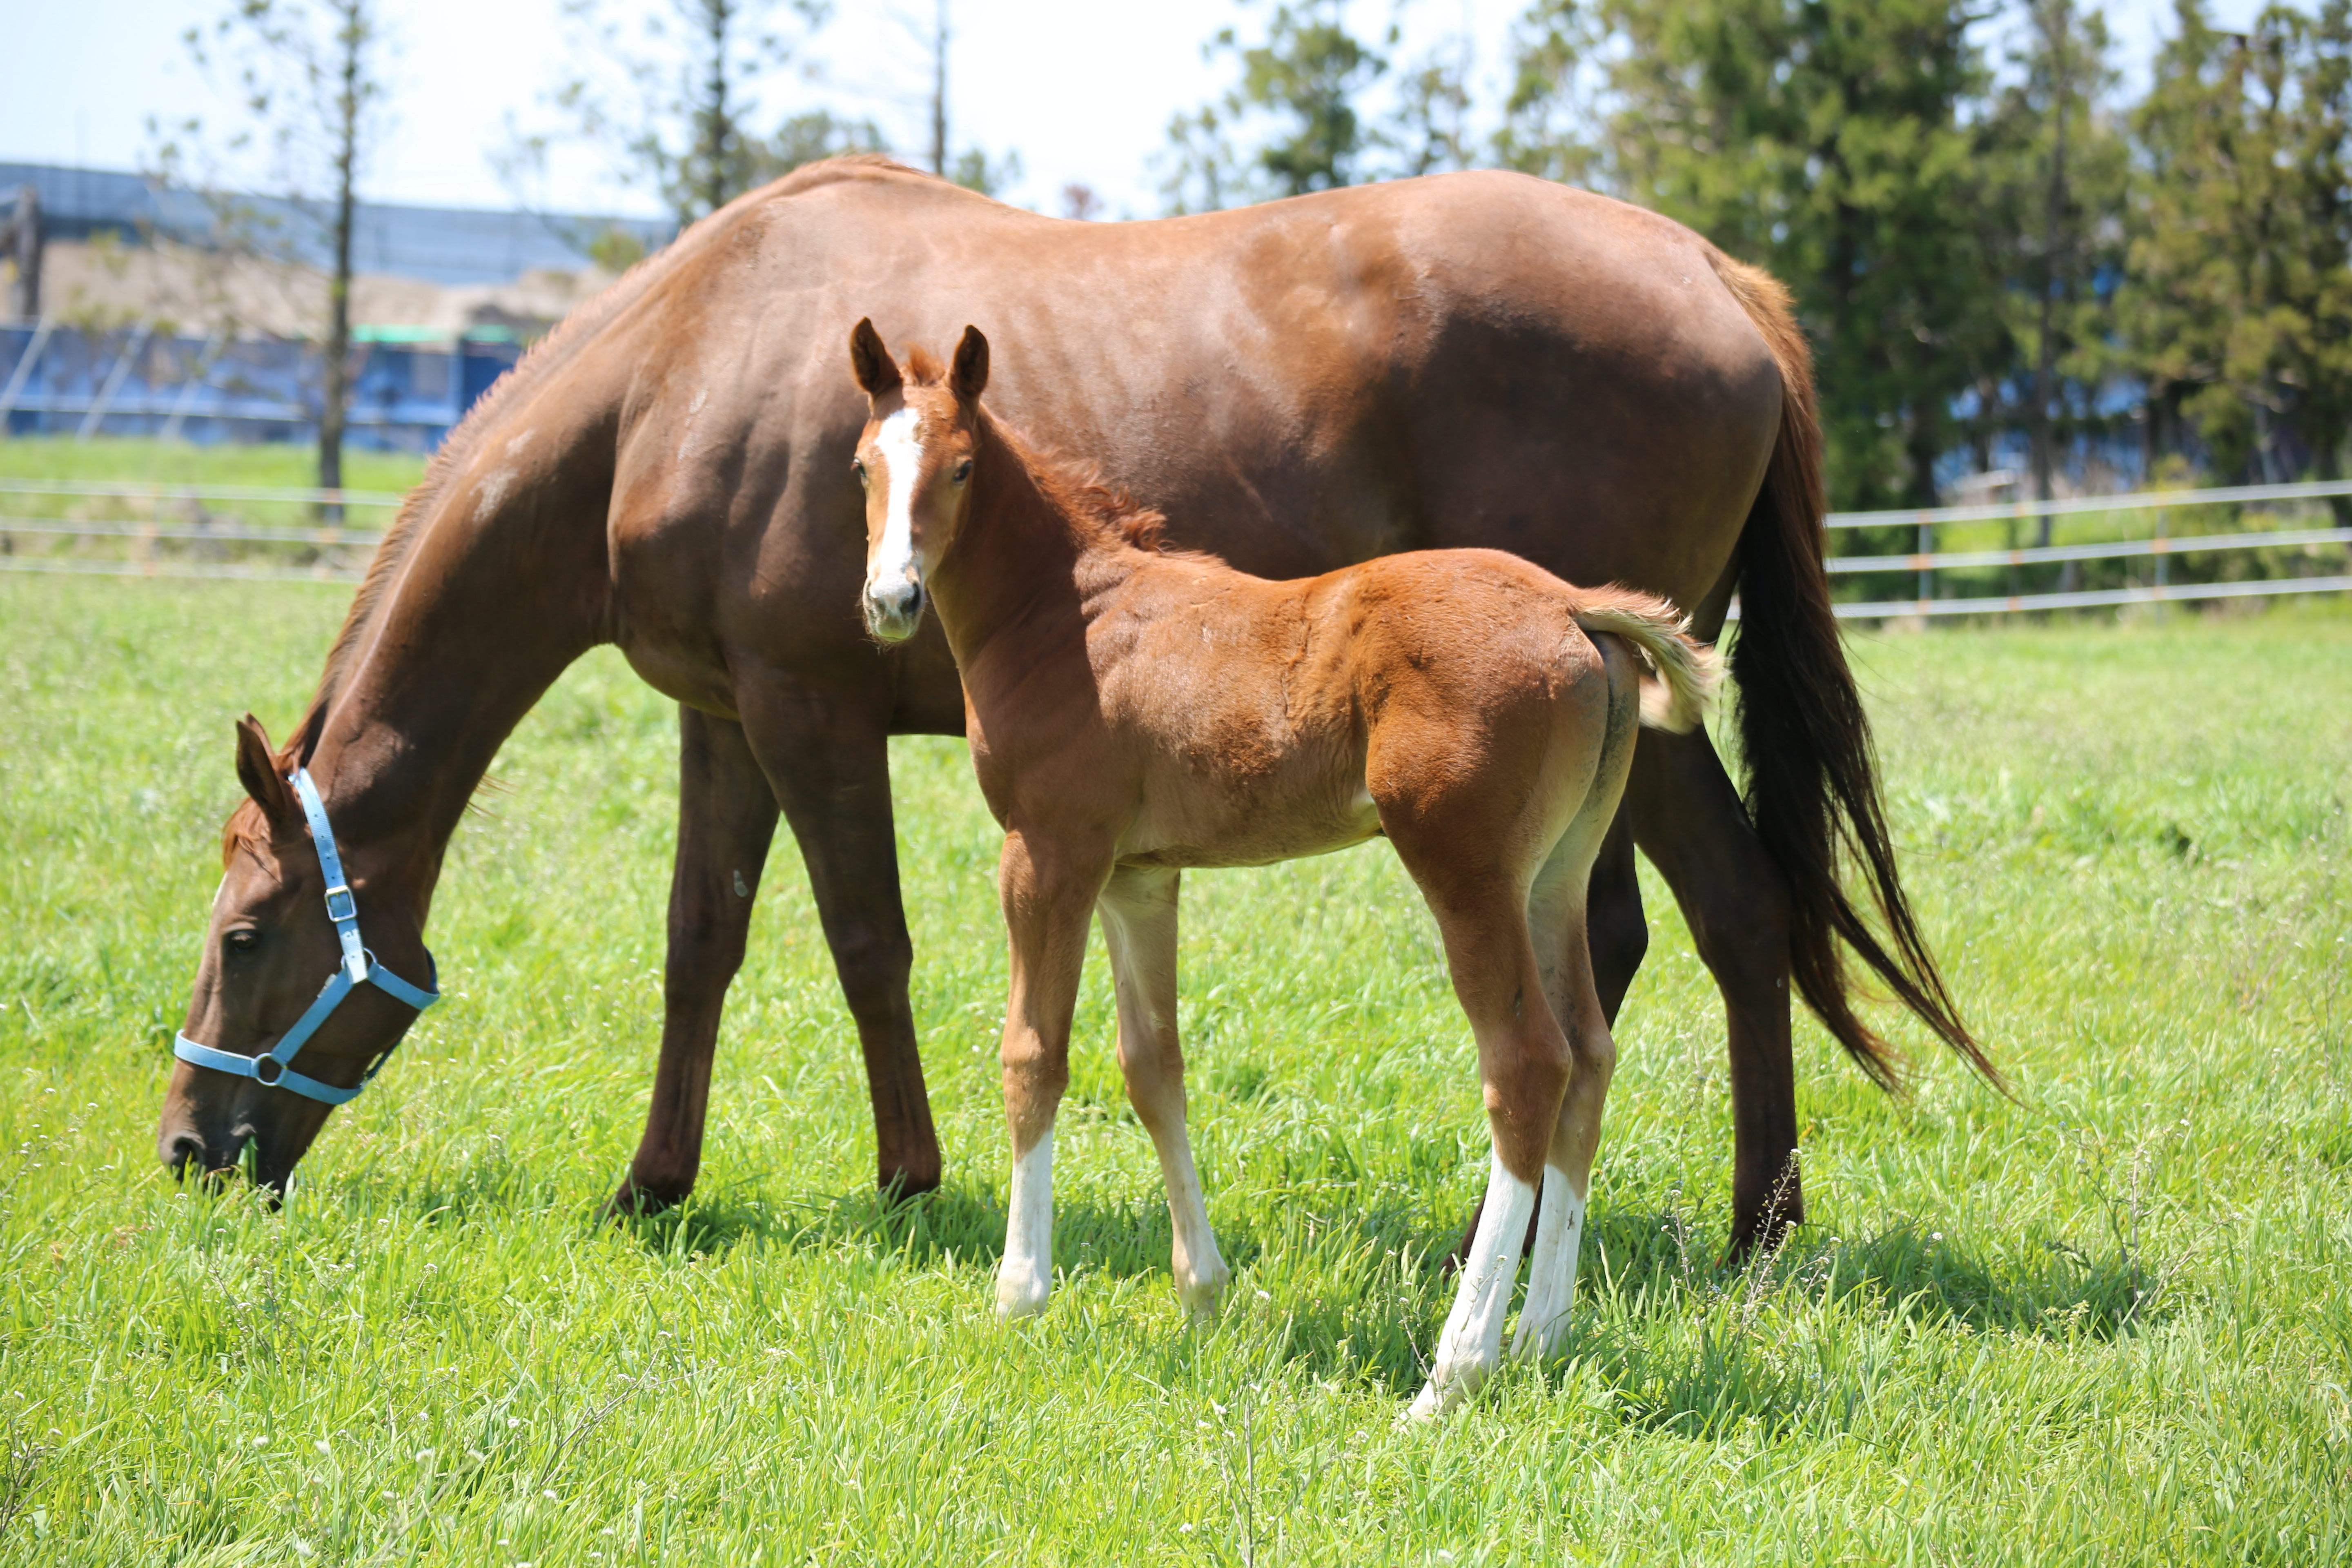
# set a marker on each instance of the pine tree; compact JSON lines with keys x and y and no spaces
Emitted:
{"x":1824,"y":139}
{"x":2238,"y":302}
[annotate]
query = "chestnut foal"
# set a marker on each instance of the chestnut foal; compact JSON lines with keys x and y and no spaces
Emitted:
{"x":1133,"y":713}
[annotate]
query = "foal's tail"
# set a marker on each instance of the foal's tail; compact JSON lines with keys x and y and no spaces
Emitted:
{"x":1679,"y":675}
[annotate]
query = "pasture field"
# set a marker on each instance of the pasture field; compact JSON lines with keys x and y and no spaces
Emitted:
{"x":2110,"y":1322}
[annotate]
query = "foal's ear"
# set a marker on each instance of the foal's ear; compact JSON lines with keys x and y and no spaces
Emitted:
{"x":877,"y":372}
{"x":968,"y":375}
{"x":257,"y":769}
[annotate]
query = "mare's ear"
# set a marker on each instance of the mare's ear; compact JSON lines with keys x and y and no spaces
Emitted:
{"x":257,"y":769}
{"x":877,"y":372}
{"x":968,"y":375}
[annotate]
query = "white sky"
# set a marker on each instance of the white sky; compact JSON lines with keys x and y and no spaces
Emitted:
{"x":1081,"y":90}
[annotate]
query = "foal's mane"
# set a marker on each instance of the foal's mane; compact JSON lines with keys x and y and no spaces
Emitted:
{"x":1071,"y":487}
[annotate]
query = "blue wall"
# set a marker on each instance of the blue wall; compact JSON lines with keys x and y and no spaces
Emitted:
{"x":405,"y":398}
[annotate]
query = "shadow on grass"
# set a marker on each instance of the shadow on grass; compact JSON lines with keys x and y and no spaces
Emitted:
{"x":1681,"y":1341}
{"x":958,"y":1221}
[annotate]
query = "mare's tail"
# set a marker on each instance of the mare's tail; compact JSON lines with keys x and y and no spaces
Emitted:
{"x":1812,"y":784}
{"x":1680,"y":673}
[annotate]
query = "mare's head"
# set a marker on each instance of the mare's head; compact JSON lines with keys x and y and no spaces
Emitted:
{"x":915,"y":460}
{"x":271,"y":949}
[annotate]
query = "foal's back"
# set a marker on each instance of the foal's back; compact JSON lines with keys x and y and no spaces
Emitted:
{"x":1259,"y":721}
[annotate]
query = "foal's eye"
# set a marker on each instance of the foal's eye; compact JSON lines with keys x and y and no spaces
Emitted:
{"x":241,"y":942}
{"x":858,"y":468}
{"x":963,"y":471}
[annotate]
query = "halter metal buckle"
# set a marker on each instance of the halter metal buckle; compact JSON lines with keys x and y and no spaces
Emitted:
{"x":350,"y":908}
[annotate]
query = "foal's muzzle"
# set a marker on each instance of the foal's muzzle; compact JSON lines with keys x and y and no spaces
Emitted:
{"x":893,"y":611}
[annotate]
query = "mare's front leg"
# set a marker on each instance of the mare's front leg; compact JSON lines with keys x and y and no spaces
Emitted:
{"x":726,"y":818}
{"x":825,"y":750}
{"x":1048,"y":892}
{"x":1139,"y":918}
{"x":1689,"y":821}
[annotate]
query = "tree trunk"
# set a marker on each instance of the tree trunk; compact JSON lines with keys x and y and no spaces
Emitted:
{"x":717,"y":15}
{"x":2056,"y":18}
{"x":939,"y":93}
{"x":336,"y":395}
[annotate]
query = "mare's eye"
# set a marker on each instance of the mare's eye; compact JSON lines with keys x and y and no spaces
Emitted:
{"x":241,"y":943}
{"x":963,"y":471}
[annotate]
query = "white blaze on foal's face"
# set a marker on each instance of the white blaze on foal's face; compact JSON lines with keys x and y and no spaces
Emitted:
{"x":914,"y":463}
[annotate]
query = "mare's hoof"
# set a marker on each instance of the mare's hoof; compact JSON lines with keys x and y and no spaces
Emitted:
{"x":632,"y":1202}
{"x":898,"y":1186}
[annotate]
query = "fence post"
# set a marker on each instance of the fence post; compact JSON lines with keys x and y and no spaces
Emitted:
{"x":1926,"y":548}
{"x":24,"y":372}
{"x":114,"y":380}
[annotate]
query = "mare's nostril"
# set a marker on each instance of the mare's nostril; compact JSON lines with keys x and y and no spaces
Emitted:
{"x":182,"y":1149}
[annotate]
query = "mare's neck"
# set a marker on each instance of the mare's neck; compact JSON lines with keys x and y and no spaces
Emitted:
{"x":500,"y":589}
{"x":1022,"y":562}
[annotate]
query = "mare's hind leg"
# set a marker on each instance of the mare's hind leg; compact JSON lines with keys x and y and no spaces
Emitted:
{"x":1139,"y":919}
{"x":1049,"y":898}
{"x":1688,"y":820}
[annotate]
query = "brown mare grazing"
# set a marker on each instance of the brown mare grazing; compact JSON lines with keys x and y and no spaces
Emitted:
{"x":1133,"y":713}
{"x":1467,"y":359}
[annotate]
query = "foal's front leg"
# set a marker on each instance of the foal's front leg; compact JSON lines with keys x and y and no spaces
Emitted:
{"x":1048,"y":896}
{"x":1138,"y":913}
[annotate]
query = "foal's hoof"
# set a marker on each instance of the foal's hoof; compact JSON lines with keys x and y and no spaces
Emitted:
{"x":1438,"y":1398}
{"x":1204,"y":1293}
{"x":1020,"y":1296}
{"x":1426,"y":1406}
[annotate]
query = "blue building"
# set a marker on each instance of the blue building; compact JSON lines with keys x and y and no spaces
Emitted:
{"x":408,"y":388}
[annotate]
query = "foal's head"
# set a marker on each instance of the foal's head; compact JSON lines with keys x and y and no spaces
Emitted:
{"x":914,"y":460}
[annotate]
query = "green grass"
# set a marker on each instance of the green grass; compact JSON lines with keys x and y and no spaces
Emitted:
{"x":2110,"y":1322}
{"x":141,"y":460}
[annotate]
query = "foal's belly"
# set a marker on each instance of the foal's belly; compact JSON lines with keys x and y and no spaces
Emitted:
{"x":1184,"y":830}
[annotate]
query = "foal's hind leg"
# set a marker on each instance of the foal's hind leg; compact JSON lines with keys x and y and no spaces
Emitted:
{"x":1139,"y":918}
{"x":1556,"y":911}
{"x":1523,"y":1061}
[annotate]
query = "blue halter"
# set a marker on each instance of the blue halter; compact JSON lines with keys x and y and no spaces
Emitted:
{"x":274,"y":1067}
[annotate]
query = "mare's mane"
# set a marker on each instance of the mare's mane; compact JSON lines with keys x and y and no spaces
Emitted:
{"x":570,"y":335}
{"x":567,"y":338}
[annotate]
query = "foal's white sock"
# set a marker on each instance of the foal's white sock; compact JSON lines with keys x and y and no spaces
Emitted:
{"x":1025,"y":1276}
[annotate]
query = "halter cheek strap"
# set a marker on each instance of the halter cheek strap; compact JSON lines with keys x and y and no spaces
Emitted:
{"x":275,"y":1066}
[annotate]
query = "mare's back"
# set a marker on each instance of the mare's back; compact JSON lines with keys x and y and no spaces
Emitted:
{"x":1462,"y":360}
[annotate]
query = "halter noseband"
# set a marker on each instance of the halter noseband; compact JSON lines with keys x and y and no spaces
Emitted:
{"x":275,"y":1067}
